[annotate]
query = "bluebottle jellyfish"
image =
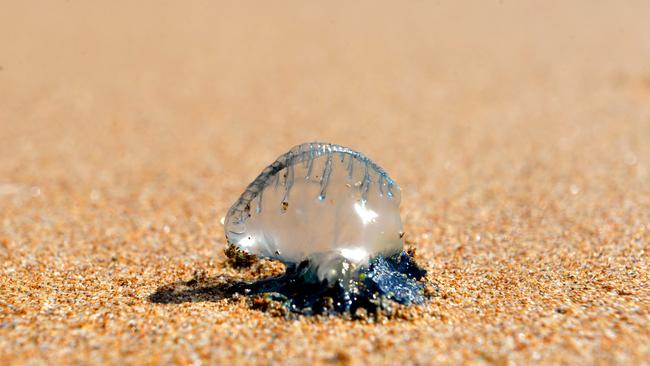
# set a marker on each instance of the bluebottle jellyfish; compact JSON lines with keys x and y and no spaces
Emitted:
{"x":331,"y":215}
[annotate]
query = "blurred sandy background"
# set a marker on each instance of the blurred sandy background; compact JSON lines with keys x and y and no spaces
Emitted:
{"x":519,"y":132}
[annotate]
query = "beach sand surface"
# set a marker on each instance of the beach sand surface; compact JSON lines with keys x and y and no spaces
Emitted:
{"x":519,"y":132}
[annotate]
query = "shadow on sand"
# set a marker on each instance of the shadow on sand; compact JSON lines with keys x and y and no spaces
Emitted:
{"x":198,"y":289}
{"x":394,"y":279}
{"x":296,"y":290}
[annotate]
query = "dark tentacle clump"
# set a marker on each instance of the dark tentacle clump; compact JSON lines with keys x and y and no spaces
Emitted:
{"x":395,"y":278}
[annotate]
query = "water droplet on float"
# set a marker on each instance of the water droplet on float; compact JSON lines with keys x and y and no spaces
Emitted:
{"x":319,"y":202}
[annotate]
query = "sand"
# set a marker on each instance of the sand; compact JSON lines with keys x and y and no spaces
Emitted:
{"x":518,"y":132}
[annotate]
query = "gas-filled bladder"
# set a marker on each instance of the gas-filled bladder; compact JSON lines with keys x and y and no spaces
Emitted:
{"x":331,"y":215}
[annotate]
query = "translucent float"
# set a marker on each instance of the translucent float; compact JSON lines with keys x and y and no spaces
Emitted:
{"x":331,"y":215}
